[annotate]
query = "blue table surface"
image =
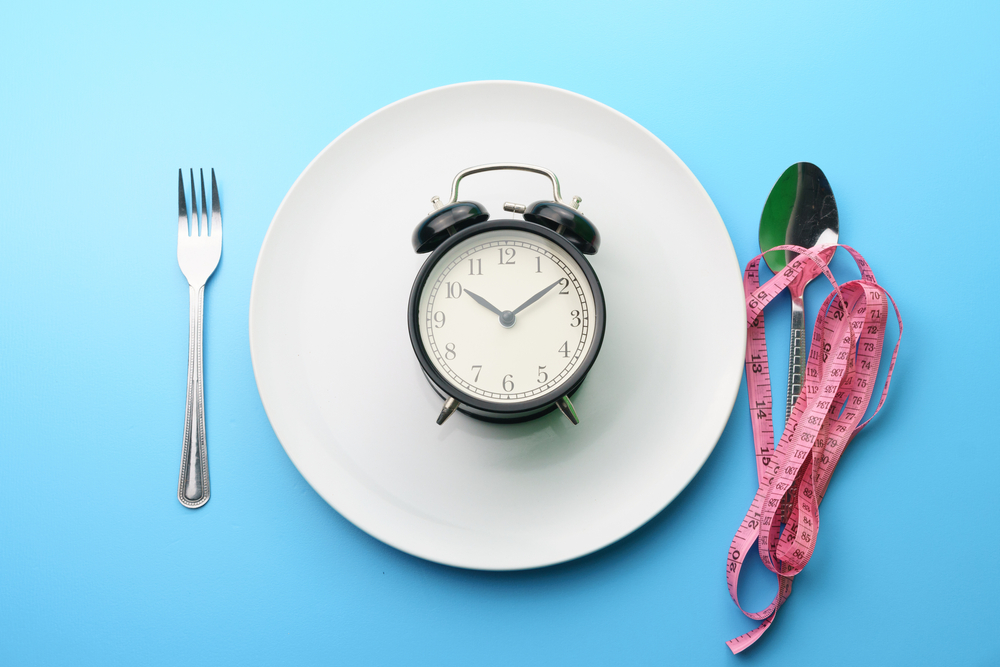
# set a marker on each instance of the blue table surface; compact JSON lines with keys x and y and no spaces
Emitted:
{"x":100,"y":104}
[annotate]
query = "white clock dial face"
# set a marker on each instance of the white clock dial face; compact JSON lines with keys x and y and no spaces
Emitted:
{"x":484,"y":333}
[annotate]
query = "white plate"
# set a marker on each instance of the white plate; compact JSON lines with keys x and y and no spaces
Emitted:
{"x":344,"y":391}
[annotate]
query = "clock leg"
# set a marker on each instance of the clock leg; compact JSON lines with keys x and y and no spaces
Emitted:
{"x":449,"y":407}
{"x":566,"y":407}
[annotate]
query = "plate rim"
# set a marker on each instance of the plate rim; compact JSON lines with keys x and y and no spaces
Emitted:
{"x":420,"y":552}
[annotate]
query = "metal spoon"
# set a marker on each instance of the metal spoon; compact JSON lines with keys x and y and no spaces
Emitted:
{"x":799,"y":211}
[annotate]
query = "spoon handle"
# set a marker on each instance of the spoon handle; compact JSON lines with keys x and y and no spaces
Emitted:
{"x":796,"y":364}
{"x":796,"y":352}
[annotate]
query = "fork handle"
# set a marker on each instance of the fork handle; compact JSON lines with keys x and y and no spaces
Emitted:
{"x":192,"y":487}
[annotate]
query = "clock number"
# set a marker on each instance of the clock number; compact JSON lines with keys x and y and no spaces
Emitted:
{"x":564,"y":284}
{"x":574,"y":316}
{"x":454,"y":290}
{"x":538,"y":265}
{"x":476,"y":270}
{"x":543,"y":377}
{"x":508,"y":383}
{"x":565,"y":349}
{"x":438,"y":319}
{"x":478,"y":369}
{"x":508,"y":253}
{"x":449,"y":351}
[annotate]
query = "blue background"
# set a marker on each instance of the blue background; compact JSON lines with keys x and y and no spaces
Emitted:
{"x":99,"y":106}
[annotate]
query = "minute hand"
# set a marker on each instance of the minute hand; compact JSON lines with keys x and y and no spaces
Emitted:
{"x":536,"y":297}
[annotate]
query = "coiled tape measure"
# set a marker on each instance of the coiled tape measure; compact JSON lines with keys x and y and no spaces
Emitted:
{"x":839,"y":383}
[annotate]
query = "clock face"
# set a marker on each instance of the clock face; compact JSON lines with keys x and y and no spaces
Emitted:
{"x":508,"y":316}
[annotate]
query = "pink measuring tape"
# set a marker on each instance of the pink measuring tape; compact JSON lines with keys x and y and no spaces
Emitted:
{"x":838,"y":385}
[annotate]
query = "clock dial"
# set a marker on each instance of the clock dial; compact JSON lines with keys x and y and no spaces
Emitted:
{"x":507,"y":316}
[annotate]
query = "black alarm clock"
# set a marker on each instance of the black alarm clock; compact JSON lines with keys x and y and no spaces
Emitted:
{"x":506,"y":317}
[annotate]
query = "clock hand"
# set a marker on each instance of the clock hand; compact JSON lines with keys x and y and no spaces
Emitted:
{"x":536,"y":297}
{"x":483,"y":302}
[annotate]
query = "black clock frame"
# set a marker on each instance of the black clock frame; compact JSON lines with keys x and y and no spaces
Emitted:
{"x":498,"y":412}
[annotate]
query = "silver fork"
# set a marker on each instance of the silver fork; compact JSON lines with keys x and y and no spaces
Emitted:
{"x":198,"y":253}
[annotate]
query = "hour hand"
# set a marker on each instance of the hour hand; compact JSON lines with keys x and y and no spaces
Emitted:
{"x":483,"y":302}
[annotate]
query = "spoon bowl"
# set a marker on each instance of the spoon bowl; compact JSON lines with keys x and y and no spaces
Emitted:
{"x":801,"y":210}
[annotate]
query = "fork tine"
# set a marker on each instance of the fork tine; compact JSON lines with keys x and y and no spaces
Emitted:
{"x":195,"y":222}
{"x":216,"y":208}
{"x":203,"y":219}
{"x":182,"y":219}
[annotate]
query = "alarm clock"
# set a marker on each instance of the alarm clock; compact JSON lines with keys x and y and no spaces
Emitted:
{"x":506,"y":317}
